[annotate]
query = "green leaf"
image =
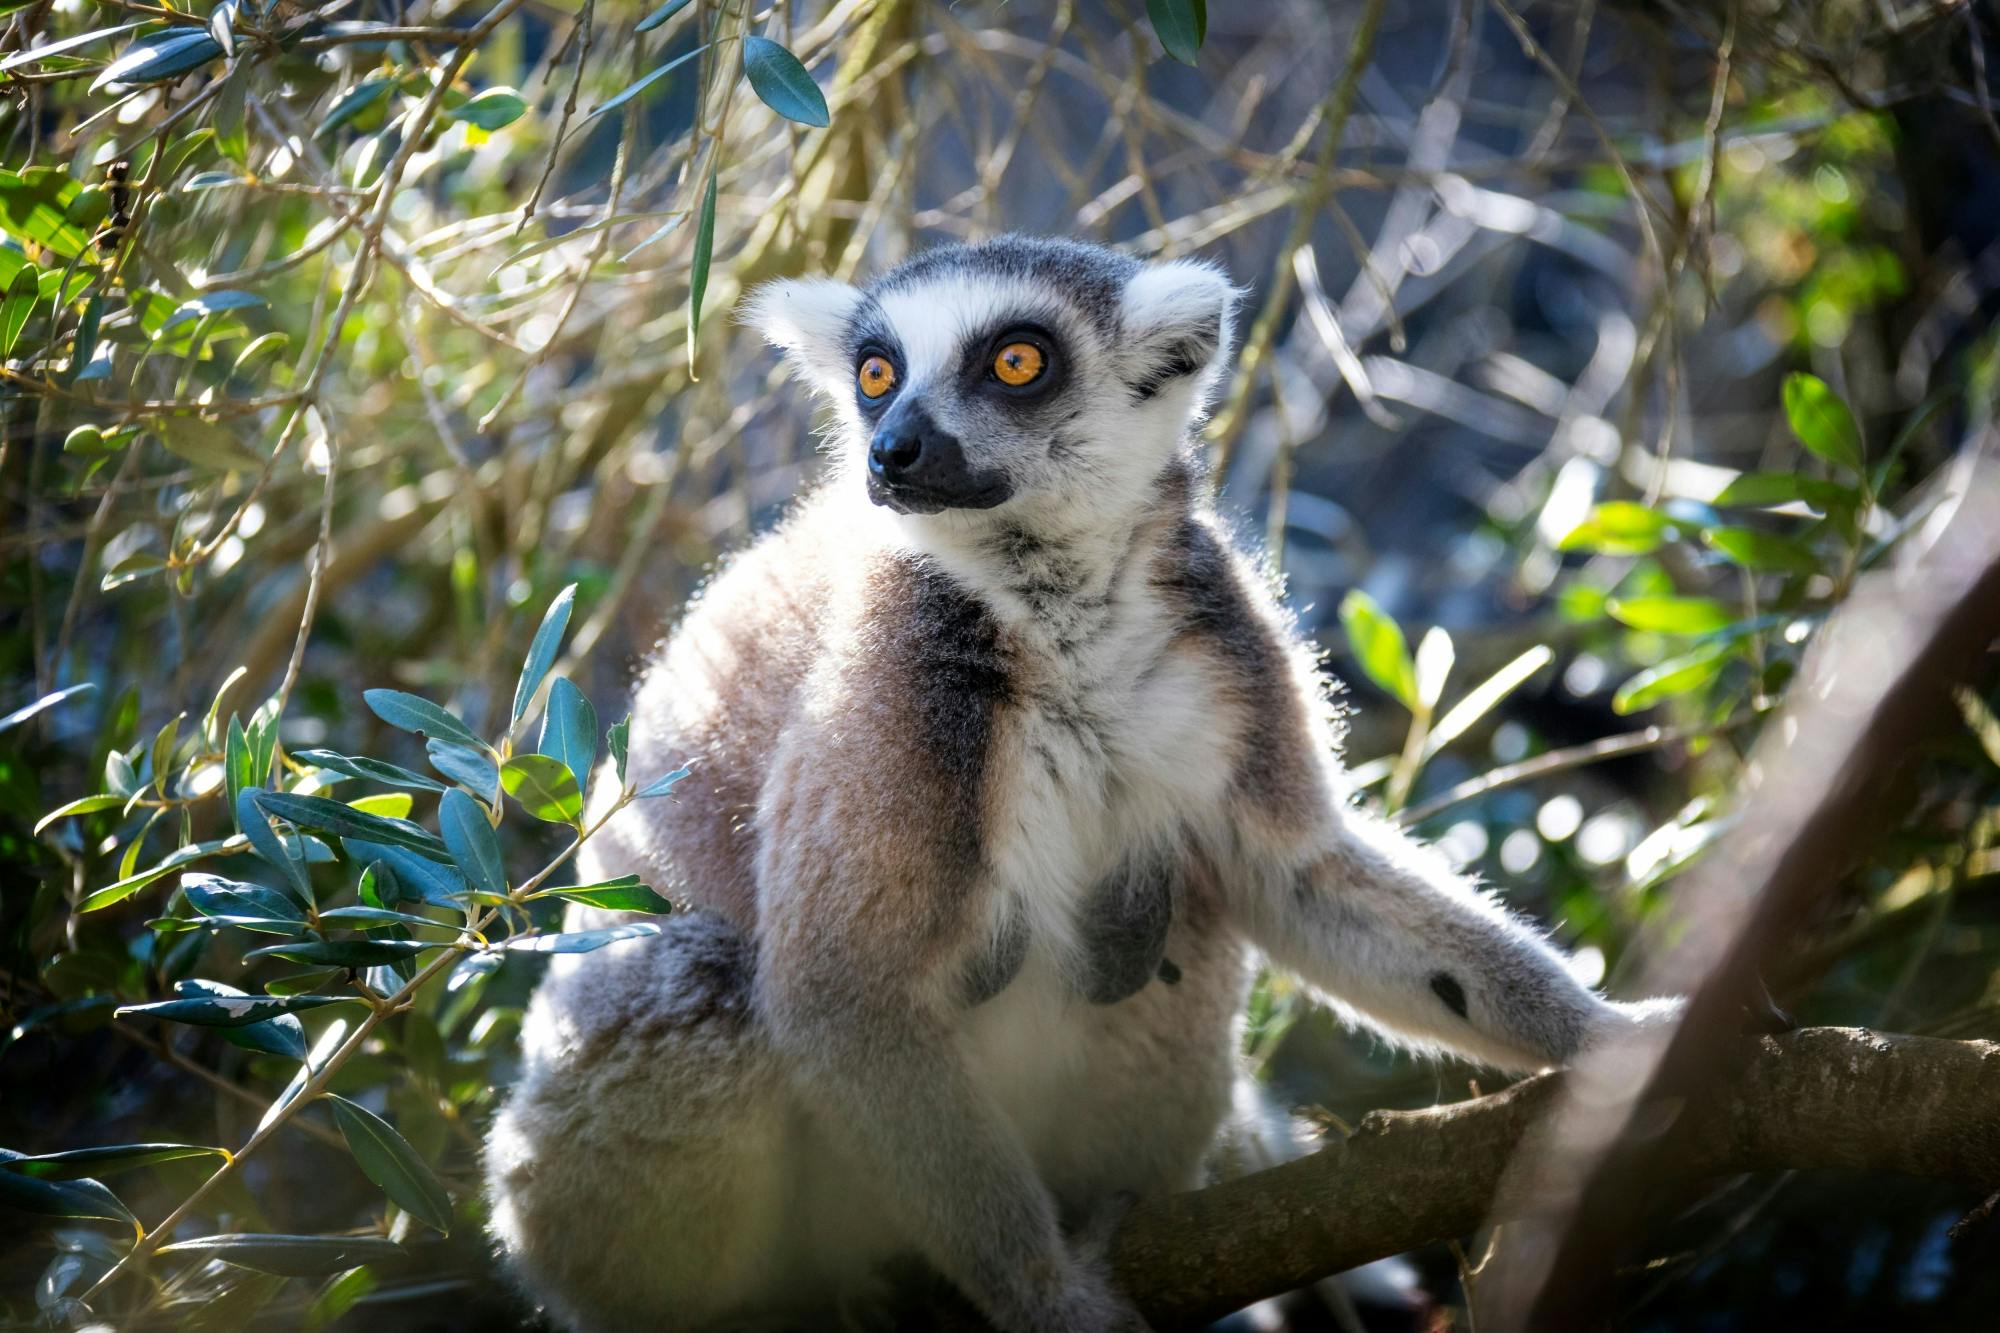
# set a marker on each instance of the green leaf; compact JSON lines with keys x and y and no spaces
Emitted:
{"x":43,"y":704}
{"x":360,"y":766}
{"x":238,"y":766}
{"x":633,"y":90}
{"x":1822,"y":421}
{"x":79,"y":1163}
{"x":289,"y":1256}
{"x":542,"y":650}
{"x":624,"y":894}
{"x":1671,"y":615}
{"x":469,"y":836}
{"x":22,"y":294}
{"x":131,"y":568}
{"x":494,"y":109}
{"x":352,"y":103}
{"x":1485,"y":696}
{"x":339,"y":1296}
{"x":34,"y":206}
{"x":1617,"y":527}
{"x":209,"y":303}
{"x":1762,"y":551}
{"x":387,"y":1159}
{"x":412,"y":712}
{"x":616,"y":738}
{"x":661,"y":15}
{"x":207,"y":444}
{"x":232,"y":138}
{"x":82,"y":805}
{"x":544,"y":787}
{"x":704,"y":252}
{"x":465,"y":764}
{"x":258,"y":353}
{"x":131,"y":884}
{"x":214,"y":896}
{"x":579,"y":941}
{"x":388,"y":804}
{"x":417,"y":876}
{"x":1378,"y":646}
{"x":345,"y":953}
{"x":777,"y":76}
{"x":569,"y":730}
{"x":1181,"y":25}
{"x":1435,"y":656}
{"x":60,"y":1198}
{"x":661,"y":785}
{"x":161,"y":56}
{"x":375,"y":916}
{"x":1767,"y":490}
{"x":56,"y":48}
{"x":230,"y":1011}
{"x":281,"y":852}
{"x":1676,"y":675}
{"x":316,"y":812}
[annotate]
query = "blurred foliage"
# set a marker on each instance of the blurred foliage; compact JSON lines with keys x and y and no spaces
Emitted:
{"x":355,"y":355}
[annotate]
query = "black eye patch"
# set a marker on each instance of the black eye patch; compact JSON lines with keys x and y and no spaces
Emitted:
{"x":1017,"y":364}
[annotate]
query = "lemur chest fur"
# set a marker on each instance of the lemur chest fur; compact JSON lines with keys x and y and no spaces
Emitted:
{"x":1108,"y":752}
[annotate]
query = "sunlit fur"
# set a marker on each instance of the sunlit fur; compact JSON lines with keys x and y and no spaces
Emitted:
{"x":991,"y":812}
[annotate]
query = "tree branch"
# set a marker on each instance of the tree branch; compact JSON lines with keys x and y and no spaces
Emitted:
{"x":1817,"y":1098}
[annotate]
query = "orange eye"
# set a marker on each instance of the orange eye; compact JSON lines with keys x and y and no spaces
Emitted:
{"x":876,"y":377}
{"x":1018,"y":364}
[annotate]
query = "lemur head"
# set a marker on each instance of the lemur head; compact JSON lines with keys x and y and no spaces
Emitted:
{"x":1035,"y":376}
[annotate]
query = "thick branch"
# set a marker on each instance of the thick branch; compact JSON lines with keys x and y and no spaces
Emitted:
{"x":1839,"y":1098}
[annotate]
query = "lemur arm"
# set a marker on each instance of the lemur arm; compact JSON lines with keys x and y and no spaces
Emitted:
{"x":1386,"y":928}
{"x":863,"y":959}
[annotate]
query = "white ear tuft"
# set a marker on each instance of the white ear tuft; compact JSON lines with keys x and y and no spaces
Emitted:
{"x":1176,"y":320}
{"x":807,"y":317}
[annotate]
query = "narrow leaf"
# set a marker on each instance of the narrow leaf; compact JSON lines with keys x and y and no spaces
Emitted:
{"x":289,"y":1256}
{"x":317,"y":812}
{"x":1676,"y":675}
{"x":661,"y":785}
{"x":1379,"y":647}
{"x":1822,"y":421}
{"x":469,"y":836}
{"x":569,"y":730}
{"x":776,"y":75}
{"x":704,"y":250}
{"x":661,"y":15}
{"x":1181,"y":25}
{"x":579,"y":941}
{"x":1671,"y":615}
{"x":412,"y":712}
{"x":624,"y":894}
{"x":78,"y":1163}
{"x":387,"y":1159}
{"x":229,"y":1011}
{"x":542,"y":650}
{"x":359,"y":766}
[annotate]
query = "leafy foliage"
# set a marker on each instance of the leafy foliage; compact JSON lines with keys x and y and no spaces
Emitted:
{"x":353,"y":415}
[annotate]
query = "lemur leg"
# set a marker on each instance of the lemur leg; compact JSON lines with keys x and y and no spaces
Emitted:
{"x":1384,"y":926}
{"x":636,"y":1175}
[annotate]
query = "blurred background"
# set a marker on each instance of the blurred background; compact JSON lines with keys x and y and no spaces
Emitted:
{"x":1590,"y":353}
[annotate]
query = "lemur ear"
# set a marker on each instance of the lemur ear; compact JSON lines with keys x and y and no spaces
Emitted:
{"x":1176,"y":326}
{"x":807,"y":318}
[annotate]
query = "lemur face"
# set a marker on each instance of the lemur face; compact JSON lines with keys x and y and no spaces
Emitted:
{"x":1015,"y":374}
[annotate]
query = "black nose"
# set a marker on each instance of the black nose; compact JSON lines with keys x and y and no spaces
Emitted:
{"x":897,"y":449}
{"x":916,"y":467}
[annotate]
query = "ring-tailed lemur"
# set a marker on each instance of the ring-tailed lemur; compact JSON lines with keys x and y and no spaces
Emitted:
{"x":1005,"y":766}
